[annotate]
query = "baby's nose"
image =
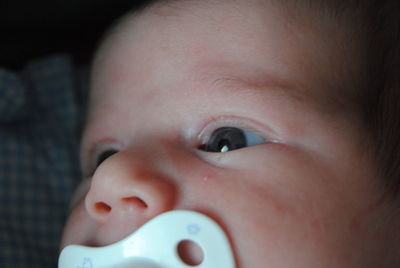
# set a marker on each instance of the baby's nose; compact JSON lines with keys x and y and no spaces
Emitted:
{"x":129,"y":189}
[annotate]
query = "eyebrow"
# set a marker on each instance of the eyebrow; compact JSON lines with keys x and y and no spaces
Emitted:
{"x":284,"y":89}
{"x":273,"y":84}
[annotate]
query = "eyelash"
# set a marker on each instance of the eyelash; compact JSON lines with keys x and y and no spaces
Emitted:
{"x":97,"y":160}
{"x":228,"y":138}
{"x":222,"y":124}
{"x":98,"y":154}
{"x":104,"y":155}
{"x":250,"y":132}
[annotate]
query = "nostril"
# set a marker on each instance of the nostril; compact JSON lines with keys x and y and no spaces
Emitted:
{"x":102,"y":208}
{"x":134,"y":201}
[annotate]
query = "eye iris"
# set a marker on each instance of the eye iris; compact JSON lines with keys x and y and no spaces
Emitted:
{"x":226,"y":139}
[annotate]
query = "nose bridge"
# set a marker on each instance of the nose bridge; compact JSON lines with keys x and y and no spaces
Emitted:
{"x":129,"y":184}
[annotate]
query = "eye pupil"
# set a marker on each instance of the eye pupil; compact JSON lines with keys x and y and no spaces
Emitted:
{"x":226,"y":139}
{"x":104,"y":155}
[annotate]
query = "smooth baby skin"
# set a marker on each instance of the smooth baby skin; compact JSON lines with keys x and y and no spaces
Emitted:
{"x":307,"y":196}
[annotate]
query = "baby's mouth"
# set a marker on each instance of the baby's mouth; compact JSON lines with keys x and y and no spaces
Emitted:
{"x":173,"y":239}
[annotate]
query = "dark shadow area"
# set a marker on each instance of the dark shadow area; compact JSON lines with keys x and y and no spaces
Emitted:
{"x":32,"y":29}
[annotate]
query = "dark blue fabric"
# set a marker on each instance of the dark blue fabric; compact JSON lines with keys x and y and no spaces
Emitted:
{"x":41,"y":113}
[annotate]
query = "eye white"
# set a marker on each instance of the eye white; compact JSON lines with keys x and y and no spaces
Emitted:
{"x":253,"y":138}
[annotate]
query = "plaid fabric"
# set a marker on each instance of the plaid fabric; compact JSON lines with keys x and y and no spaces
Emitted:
{"x":40,"y":117}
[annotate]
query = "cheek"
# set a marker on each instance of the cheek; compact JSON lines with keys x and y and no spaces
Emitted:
{"x":79,"y":227}
{"x":283,"y":201}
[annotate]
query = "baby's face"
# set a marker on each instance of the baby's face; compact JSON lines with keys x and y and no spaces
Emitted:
{"x":234,"y":111}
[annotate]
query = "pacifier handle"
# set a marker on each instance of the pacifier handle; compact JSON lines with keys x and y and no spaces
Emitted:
{"x":155,"y":245}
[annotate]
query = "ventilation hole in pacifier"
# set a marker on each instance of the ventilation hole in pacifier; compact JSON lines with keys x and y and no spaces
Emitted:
{"x":190,"y":253}
{"x":102,"y":208}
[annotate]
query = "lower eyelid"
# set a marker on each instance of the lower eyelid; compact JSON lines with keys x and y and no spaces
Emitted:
{"x":225,"y":160}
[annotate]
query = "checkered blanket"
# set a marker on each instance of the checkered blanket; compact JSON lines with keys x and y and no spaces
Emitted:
{"x":41,"y":112}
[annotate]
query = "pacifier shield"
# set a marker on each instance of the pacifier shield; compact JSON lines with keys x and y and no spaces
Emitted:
{"x":160,"y":243}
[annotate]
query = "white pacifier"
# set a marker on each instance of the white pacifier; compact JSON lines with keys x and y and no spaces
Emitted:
{"x":155,"y":245}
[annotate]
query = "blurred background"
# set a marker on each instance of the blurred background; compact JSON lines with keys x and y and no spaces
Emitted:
{"x":32,"y":29}
{"x":45,"y":48}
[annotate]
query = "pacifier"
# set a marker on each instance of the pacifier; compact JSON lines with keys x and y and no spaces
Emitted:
{"x":155,"y":245}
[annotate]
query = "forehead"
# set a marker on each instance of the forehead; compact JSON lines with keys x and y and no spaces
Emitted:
{"x":196,"y":41}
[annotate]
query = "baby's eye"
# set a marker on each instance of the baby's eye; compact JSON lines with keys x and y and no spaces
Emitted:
{"x":104,"y":155}
{"x":226,"y":139}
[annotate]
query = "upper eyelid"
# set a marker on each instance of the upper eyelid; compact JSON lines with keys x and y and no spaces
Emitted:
{"x":238,"y":122}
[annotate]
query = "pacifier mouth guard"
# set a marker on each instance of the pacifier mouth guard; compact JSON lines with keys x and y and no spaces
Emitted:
{"x":155,"y":245}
